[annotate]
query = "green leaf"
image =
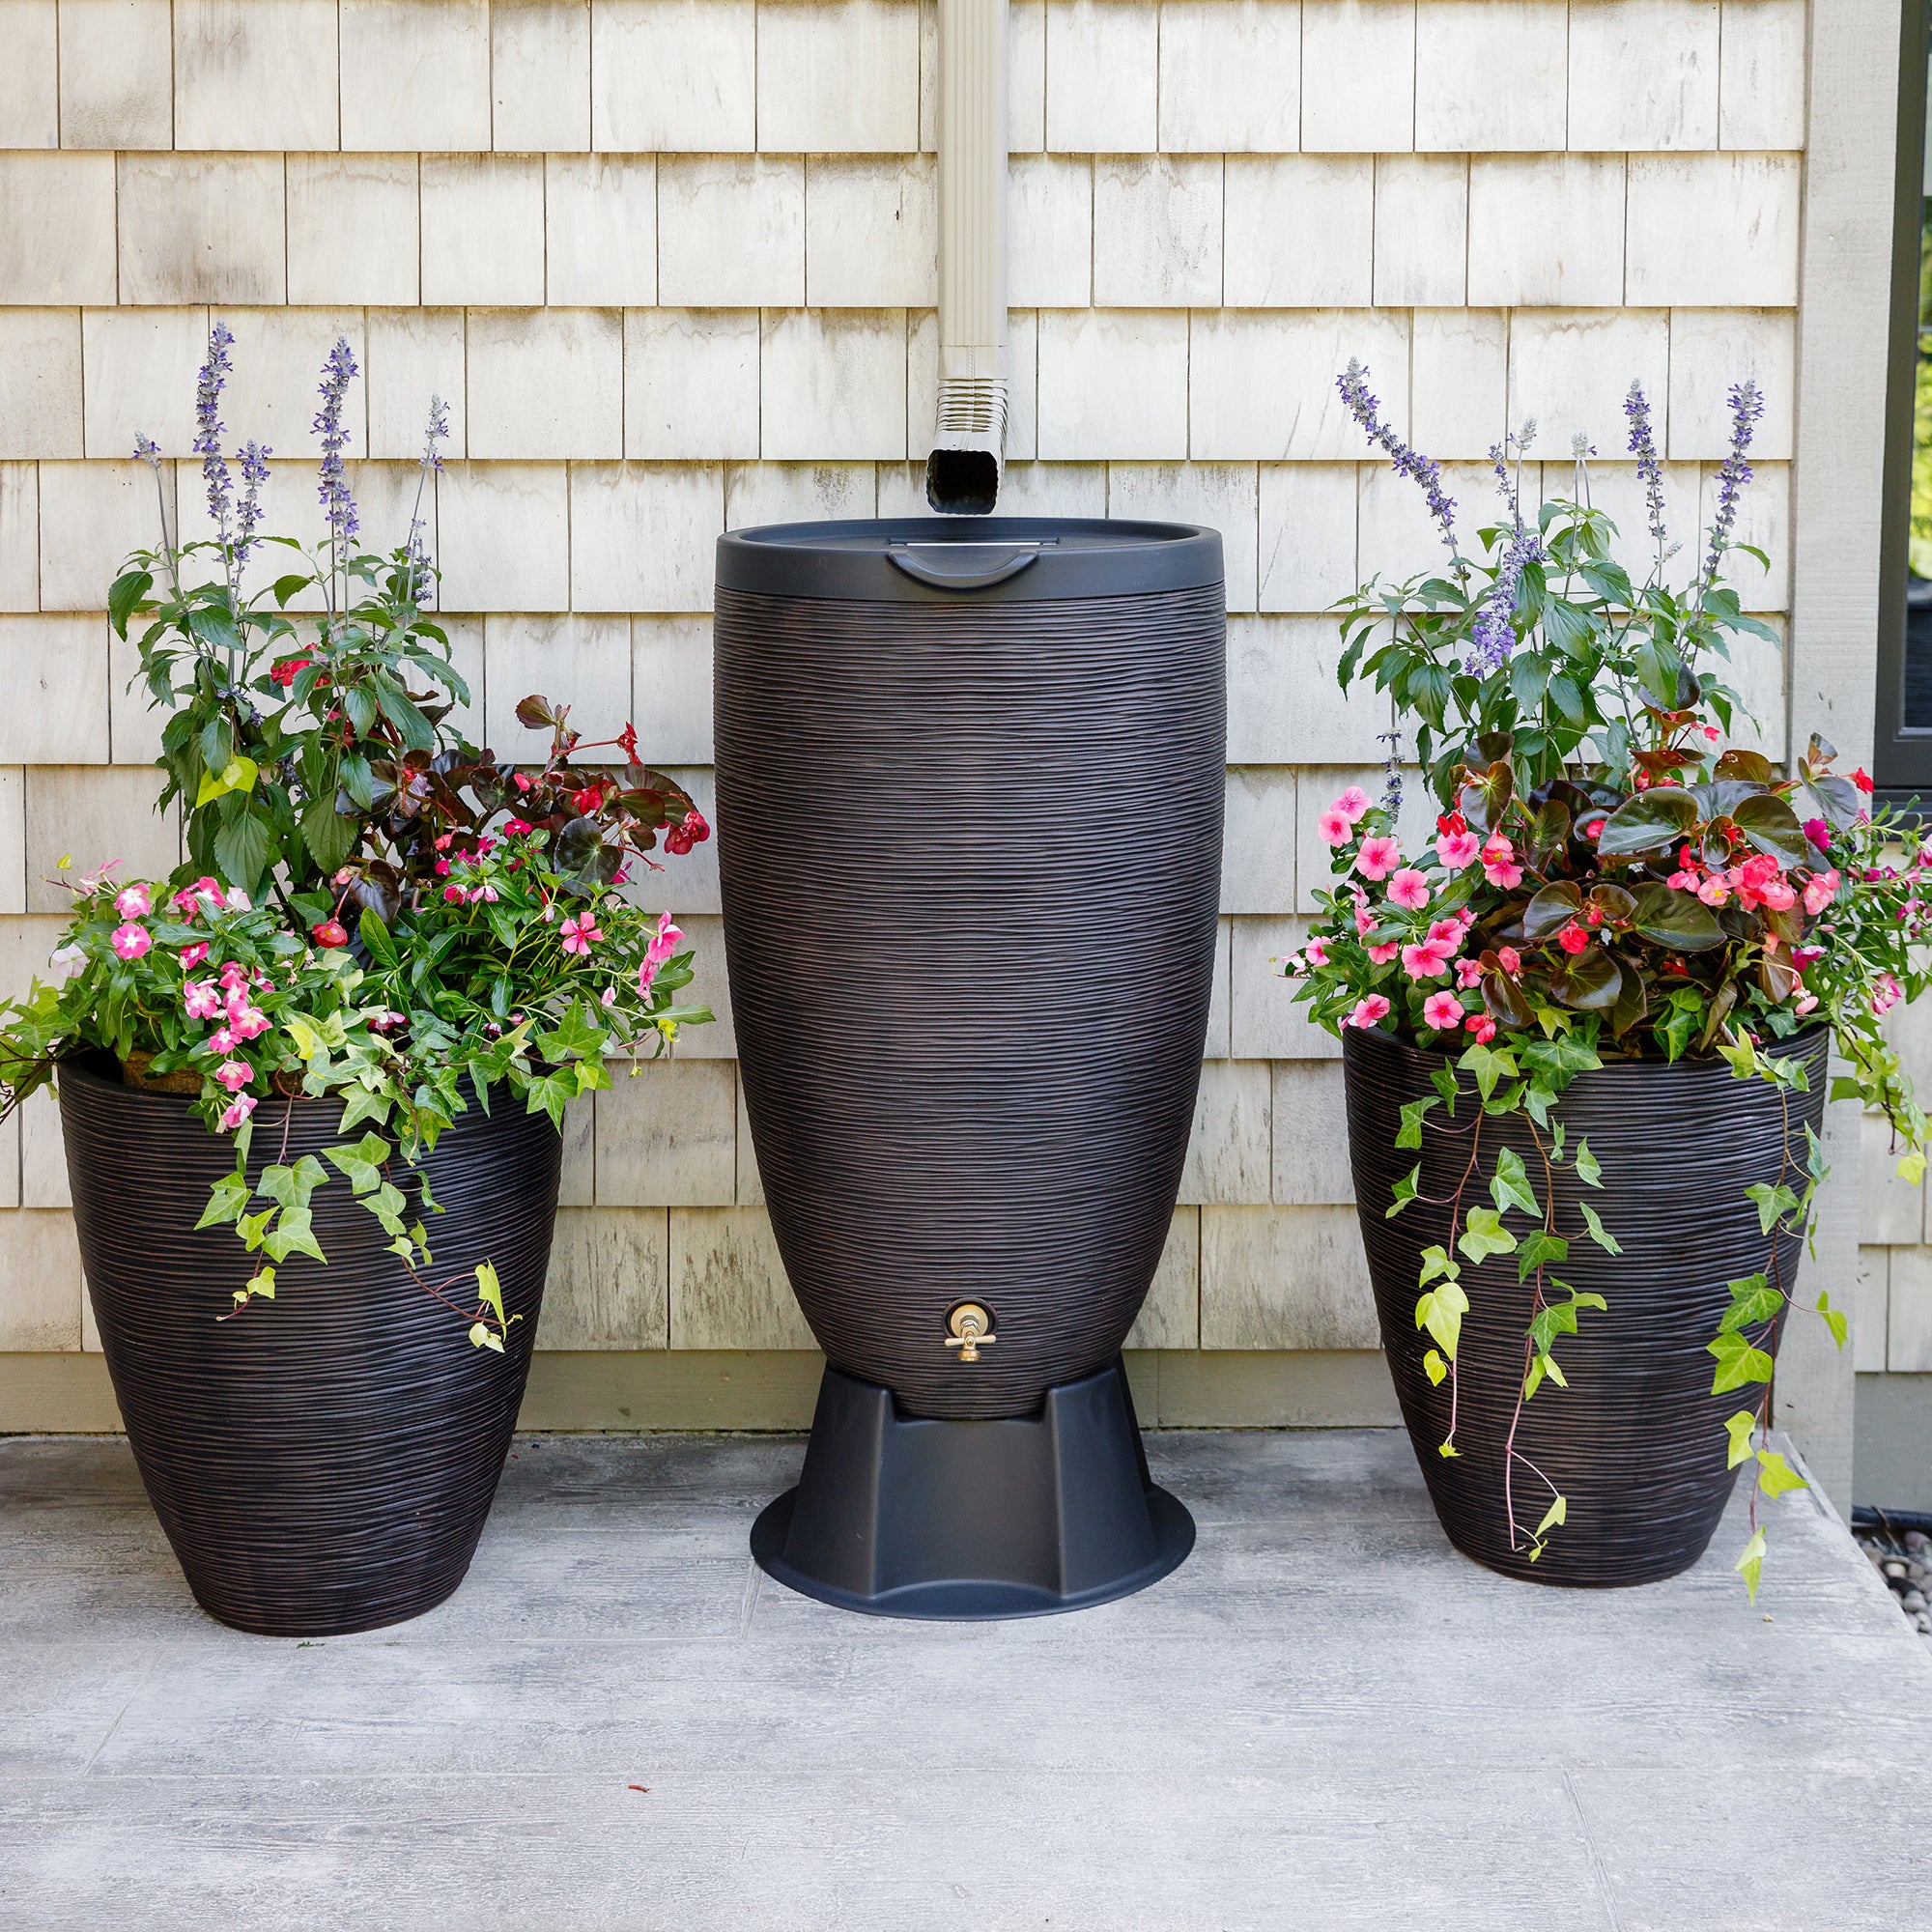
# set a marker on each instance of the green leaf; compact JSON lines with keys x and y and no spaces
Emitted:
{"x":1488,"y":1064}
{"x":1446,"y":1084}
{"x":362,"y":1105}
{"x":480,"y":1337}
{"x":1774,"y":1203}
{"x":1678,"y":919}
{"x":1401,"y":1193}
{"x":242,"y":850}
{"x":1484,"y":1235}
{"x":1435,"y":1261}
{"x":1754,"y":1299}
{"x":361,"y":1163}
{"x":1738,"y":1363}
{"x":1652,"y":818}
{"x":1598,"y":1234}
{"x":1835,"y":1318}
{"x":1508,"y":1185}
{"x":1770,"y":824}
{"x":1441,"y":1310}
{"x":328,"y":836}
{"x":491,"y":1290}
{"x":375,"y":939}
{"x":292,"y":1234}
{"x":1409,"y":1134}
{"x":1750,"y":1565}
{"x":123,"y":595}
{"x":1540,"y":1250}
{"x":1775,"y":1475}
{"x":1435,"y":1368}
{"x":1556,"y":1514}
{"x":1587,"y":982}
{"x":226,"y":1200}
{"x":573,"y":1035}
{"x":1741,"y":1427}
{"x":1587,"y":1170}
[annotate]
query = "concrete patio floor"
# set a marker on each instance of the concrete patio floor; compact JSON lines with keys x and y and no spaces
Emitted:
{"x":1325,"y":1719}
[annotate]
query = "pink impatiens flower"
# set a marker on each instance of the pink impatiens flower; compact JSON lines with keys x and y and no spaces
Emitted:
{"x":1368,"y":1011}
{"x":238,"y":1110}
{"x":1333,"y":827}
{"x":1353,"y":804}
{"x":1408,"y":889}
{"x":1425,"y":962}
{"x":580,"y":933}
{"x":234,"y":1074}
{"x":1500,"y":864}
{"x":1377,"y":858}
{"x":1821,"y":892}
{"x":1482,"y":1025}
{"x":1510,"y":961}
{"x":1457,"y":849}
{"x":131,"y":941}
{"x":200,"y":999}
{"x":134,"y":902}
{"x":1443,"y":1011}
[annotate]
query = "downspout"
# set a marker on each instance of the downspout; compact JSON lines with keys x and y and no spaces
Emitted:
{"x":962,"y":474}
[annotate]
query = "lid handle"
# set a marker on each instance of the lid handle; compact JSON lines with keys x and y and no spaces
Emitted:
{"x":957,"y":566}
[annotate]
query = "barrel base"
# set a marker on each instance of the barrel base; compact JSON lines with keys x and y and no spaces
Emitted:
{"x":970,"y":1522}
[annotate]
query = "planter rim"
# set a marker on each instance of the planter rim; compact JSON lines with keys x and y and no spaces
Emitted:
{"x":1798,"y":1042}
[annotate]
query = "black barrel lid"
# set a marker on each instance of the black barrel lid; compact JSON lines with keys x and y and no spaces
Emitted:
{"x":920,"y":559}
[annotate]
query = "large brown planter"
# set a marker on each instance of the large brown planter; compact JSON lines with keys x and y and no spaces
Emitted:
{"x":323,"y":1462}
{"x":1636,"y":1441}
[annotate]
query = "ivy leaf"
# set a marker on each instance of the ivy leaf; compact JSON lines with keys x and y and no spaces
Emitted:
{"x":1508,"y":1185}
{"x":1775,"y":1475}
{"x":1401,"y":1193}
{"x":293,"y":1235}
{"x":1835,"y":1318}
{"x":226,"y":1200}
{"x":1598,"y":1234}
{"x":1488,"y":1064}
{"x":1754,"y":1299}
{"x":1773,"y":1204}
{"x":1484,"y":1235}
{"x":1557,"y":1512}
{"x":491,"y":1290}
{"x":363,"y":1163}
{"x":1435,"y":1368}
{"x":1587,"y":1170}
{"x":1741,"y":1427}
{"x":481,"y":1337}
{"x":1441,"y":1310}
{"x":362,"y":1105}
{"x":1436,"y":1261}
{"x":1411,"y":1132}
{"x":1750,"y":1565}
{"x":1738,"y":1362}
{"x":573,"y":1034}
{"x":1446,"y":1084}
{"x":1538,"y":1250}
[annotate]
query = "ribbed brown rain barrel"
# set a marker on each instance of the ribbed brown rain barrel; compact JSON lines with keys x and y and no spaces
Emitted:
{"x":970,"y":781}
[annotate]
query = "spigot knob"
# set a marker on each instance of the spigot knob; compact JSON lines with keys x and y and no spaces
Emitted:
{"x":968,"y":1329}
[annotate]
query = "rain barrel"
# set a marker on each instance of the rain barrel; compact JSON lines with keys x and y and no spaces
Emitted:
{"x":970,"y":781}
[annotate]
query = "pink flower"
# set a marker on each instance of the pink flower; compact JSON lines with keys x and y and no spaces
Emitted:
{"x":443,"y":869}
{"x":1714,"y":891}
{"x":193,"y":956}
{"x":1468,"y":971}
{"x":1573,"y":938}
{"x":1499,"y":863}
{"x":1777,"y":894}
{"x":131,"y":941}
{"x":240,"y":1109}
{"x":1482,"y":1025}
{"x":199,"y":1000}
{"x":1446,"y":932}
{"x":1368,"y":1011}
{"x":516,"y":826}
{"x":664,"y":942}
{"x":1821,"y":892}
{"x":1408,"y":889}
{"x":1380,"y":955}
{"x":234,"y":1074}
{"x":1510,"y":961}
{"x":1805,"y":1005}
{"x":330,"y":932}
{"x":1886,"y":994}
{"x":250,"y":1023}
{"x":608,"y":996}
{"x":1353,"y":804}
{"x":1425,"y":962}
{"x":221,"y":1040}
{"x":1819,"y":833}
{"x":1443,"y":1011}
{"x":134,"y":902}
{"x":1334,"y":828}
{"x":1293,"y":966}
{"x":648,"y":971}
{"x":1364,"y":923}
{"x":580,"y":933}
{"x":452,"y":894}
{"x":1377,"y":858}
{"x":1457,"y":849}
{"x":484,"y":893}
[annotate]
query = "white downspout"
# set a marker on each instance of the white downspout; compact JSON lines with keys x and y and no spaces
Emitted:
{"x":962,"y":474}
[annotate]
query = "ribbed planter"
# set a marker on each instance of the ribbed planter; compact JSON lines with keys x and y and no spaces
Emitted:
{"x":323,"y":1462}
{"x":1637,"y":1442}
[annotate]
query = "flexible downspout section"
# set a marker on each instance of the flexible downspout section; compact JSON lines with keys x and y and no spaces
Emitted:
{"x":962,"y":474}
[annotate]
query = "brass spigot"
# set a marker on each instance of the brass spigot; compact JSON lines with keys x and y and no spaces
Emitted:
{"x":968,"y":1329}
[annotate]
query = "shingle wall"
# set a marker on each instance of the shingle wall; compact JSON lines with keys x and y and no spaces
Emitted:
{"x":673,"y":263}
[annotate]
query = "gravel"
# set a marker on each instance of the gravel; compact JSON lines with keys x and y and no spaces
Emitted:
{"x":1905,"y":1562}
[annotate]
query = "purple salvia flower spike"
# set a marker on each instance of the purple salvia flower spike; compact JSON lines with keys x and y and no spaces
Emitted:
{"x":336,"y":500}
{"x":1747,"y":406}
{"x":254,"y":460}
{"x":1423,"y":470}
{"x":208,"y":384}
{"x":1643,"y":446}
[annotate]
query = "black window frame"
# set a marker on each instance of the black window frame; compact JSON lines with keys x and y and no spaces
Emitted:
{"x":1902,"y":756}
